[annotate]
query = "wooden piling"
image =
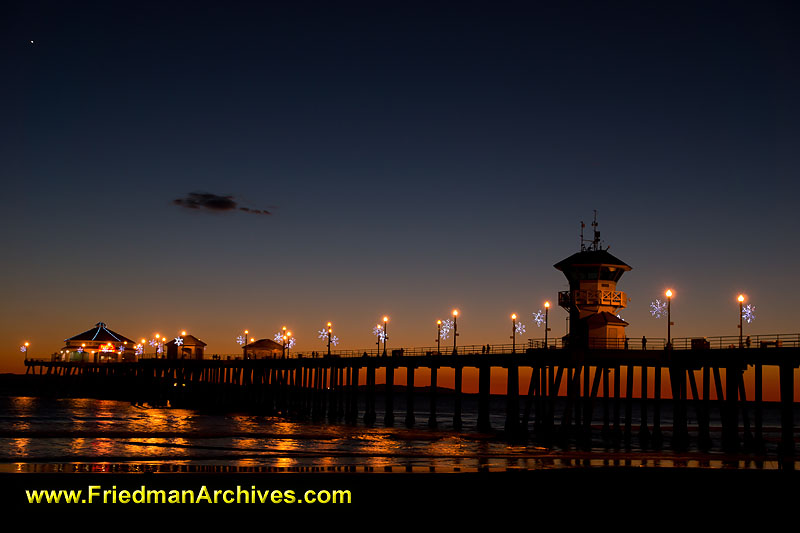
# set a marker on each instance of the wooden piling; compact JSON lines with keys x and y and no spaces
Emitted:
{"x":369,"y":408}
{"x":458,"y":371}
{"x":512,"y":426}
{"x":644,"y":433}
{"x":432,"y":422}
{"x":786,"y":376}
{"x":388,"y":418}
{"x":410,"y":419}
{"x":730,"y":430}
{"x":484,"y":383}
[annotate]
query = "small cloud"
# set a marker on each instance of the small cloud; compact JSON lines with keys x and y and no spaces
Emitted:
{"x":215,"y":203}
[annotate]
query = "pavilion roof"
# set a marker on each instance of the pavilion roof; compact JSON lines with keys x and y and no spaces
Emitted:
{"x":100,"y":333}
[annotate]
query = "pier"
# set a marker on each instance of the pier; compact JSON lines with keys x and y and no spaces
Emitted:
{"x":571,"y":397}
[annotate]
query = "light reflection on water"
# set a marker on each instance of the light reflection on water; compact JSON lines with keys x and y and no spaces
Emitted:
{"x":40,"y":433}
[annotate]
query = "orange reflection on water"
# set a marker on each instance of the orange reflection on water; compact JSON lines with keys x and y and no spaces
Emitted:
{"x":285,"y":446}
{"x":19,"y":447}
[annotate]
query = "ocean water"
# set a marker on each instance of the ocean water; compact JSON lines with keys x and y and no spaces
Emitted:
{"x":91,"y":435}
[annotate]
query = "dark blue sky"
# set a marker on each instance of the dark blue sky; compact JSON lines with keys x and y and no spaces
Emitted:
{"x":414,"y":157}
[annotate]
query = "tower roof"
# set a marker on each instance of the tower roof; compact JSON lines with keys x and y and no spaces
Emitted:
{"x":604,"y":318}
{"x":591,"y":258}
{"x":101,"y":334}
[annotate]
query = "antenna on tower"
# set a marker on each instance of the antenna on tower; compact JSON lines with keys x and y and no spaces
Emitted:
{"x":583,"y":248}
{"x":595,"y":242}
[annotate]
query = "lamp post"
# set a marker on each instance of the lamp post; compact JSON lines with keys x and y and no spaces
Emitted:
{"x":158,"y":345}
{"x":438,"y":337}
{"x":385,"y":334}
{"x":379,"y":333}
{"x":330,"y":331}
{"x":669,"y":318}
{"x":546,"y":310}
{"x":287,"y":335}
{"x":24,"y":349}
{"x":741,"y":314}
{"x":243,"y":342}
{"x":455,"y":330}
{"x":514,"y":333}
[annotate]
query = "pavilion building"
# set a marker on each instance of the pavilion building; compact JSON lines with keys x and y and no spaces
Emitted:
{"x":185,"y":347}
{"x":98,"y":345}
{"x":263,"y":349}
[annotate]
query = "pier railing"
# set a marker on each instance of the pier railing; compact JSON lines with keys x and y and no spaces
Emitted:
{"x":776,"y":340}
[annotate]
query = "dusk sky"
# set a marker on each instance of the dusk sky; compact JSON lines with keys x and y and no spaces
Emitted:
{"x":392,"y":158}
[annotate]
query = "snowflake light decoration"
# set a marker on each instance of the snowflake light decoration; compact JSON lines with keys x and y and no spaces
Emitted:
{"x":323,"y":334}
{"x":139,"y":349}
{"x":749,"y":313}
{"x":290,"y":342}
{"x":539,"y":318}
{"x":80,"y":350}
{"x":23,"y":348}
{"x":380,"y":333}
{"x":447,"y":325}
{"x":519,"y":328}
{"x":241,"y":339}
{"x":178,"y":341}
{"x":658,"y":308}
{"x":160,"y":348}
{"x":153,"y":342}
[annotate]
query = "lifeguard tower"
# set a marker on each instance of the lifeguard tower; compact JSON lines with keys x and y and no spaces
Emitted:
{"x":593,"y":300}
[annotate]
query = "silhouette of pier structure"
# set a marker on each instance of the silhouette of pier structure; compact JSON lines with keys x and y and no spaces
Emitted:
{"x":576,"y":389}
{"x":569,"y":395}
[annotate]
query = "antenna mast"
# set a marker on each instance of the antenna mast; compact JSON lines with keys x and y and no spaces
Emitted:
{"x":596,"y":240}
{"x":596,"y":236}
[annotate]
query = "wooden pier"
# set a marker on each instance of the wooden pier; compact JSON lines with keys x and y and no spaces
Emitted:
{"x":572,"y":397}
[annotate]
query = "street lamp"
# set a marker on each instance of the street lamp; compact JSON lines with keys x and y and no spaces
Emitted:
{"x":669,"y":317}
{"x":514,"y":333}
{"x":379,"y":334}
{"x":546,"y":310}
{"x":330,"y":331}
{"x":157,"y":343}
{"x":455,"y":330}
{"x":24,"y":349}
{"x":741,"y":314}
{"x":438,"y":337}
{"x":385,"y":335}
{"x":286,"y":336}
